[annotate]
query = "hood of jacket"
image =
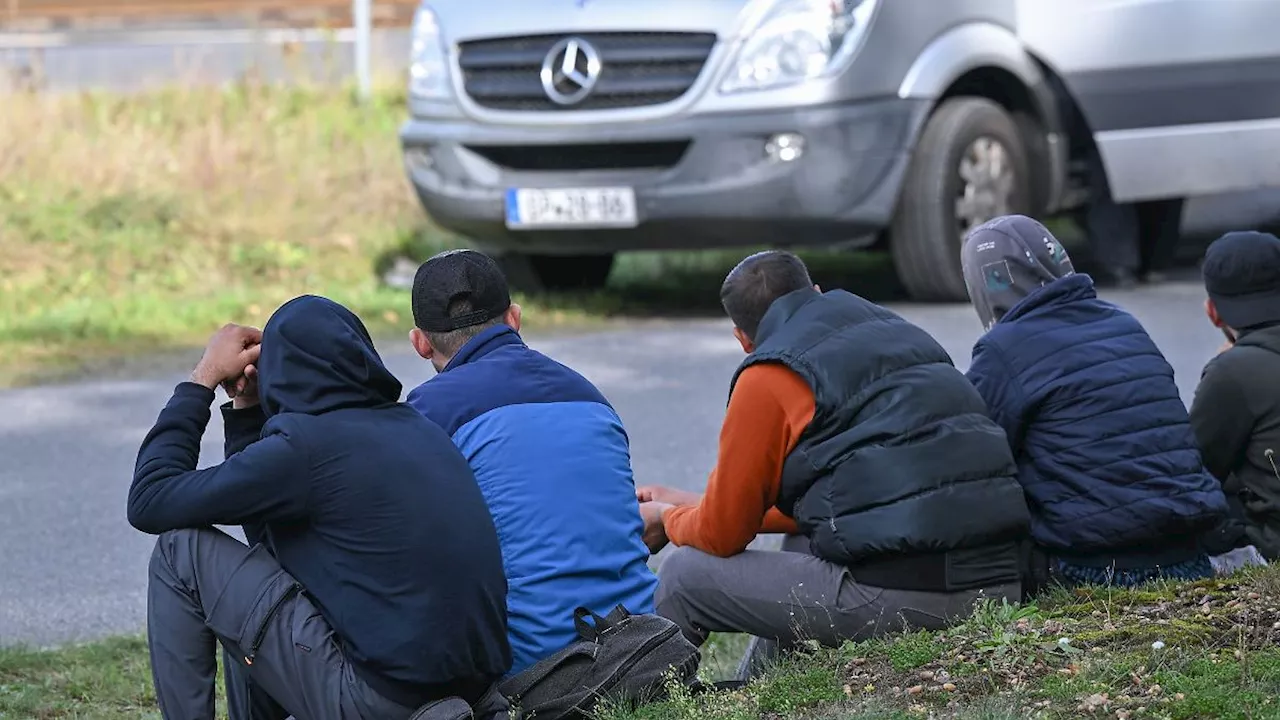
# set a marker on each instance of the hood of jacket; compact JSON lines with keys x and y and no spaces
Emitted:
{"x":317,"y":357}
{"x":1007,"y":259}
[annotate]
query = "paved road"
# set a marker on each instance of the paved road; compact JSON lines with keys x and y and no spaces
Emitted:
{"x":71,"y":568}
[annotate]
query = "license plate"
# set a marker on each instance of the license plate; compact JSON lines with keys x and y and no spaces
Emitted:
{"x":571,"y":208}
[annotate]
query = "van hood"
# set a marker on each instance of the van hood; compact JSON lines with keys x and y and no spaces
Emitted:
{"x":460,"y":20}
{"x":317,"y":357}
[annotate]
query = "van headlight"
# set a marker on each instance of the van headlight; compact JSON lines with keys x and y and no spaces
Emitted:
{"x":428,"y":63}
{"x":799,"y":40}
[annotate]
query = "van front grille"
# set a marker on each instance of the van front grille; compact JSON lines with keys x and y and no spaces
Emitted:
{"x":636,"y":69}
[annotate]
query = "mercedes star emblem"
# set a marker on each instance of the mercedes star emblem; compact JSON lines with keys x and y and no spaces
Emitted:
{"x":570,"y":71}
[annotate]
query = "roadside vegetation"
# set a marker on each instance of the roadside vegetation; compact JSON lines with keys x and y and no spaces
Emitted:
{"x":140,"y":223}
{"x":1167,"y":650}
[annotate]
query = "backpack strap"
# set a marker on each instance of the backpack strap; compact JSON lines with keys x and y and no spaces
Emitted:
{"x":589,"y":631}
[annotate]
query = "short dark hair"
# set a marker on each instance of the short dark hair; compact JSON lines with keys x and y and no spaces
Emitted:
{"x":449,"y":343}
{"x":756,"y":282}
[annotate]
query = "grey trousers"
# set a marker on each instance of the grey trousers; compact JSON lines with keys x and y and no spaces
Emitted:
{"x":791,"y":596}
{"x":207,"y":587}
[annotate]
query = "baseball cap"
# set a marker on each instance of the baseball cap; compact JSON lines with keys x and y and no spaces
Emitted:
{"x":456,"y":276}
{"x":1242,"y":276}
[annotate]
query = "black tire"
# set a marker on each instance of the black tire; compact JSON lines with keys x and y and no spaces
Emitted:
{"x":556,"y":273}
{"x":925,"y":236}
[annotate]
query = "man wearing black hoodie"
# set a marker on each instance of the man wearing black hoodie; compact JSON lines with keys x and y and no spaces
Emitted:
{"x":374,"y":584}
{"x":1236,"y":412}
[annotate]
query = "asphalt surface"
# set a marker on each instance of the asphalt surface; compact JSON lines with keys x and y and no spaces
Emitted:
{"x":72,"y":569}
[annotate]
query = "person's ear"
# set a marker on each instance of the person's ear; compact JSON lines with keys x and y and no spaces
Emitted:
{"x":421,"y":344}
{"x":512,"y":318}
{"x":1212,"y":311}
{"x":748,"y":346}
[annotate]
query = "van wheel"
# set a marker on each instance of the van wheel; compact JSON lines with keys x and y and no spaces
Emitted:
{"x":969,"y":166}
{"x":556,"y":273}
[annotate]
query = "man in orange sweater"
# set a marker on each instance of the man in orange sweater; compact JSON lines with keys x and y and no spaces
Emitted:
{"x":849,"y":430}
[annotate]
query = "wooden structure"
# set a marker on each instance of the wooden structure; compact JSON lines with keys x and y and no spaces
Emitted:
{"x":37,"y":15}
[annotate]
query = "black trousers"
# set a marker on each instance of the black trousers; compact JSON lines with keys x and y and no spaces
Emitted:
{"x":1134,"y":238}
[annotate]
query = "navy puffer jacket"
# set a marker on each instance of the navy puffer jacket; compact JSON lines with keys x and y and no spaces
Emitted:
{"x":1104,"y":446}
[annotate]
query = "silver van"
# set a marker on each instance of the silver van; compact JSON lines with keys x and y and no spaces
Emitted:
{"x":558,"y":132}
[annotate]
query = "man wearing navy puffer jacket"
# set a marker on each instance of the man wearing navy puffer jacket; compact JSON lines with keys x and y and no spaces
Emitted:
{"x":1106,"y":455}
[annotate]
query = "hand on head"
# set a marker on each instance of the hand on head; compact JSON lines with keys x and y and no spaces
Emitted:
{"x":229,"y":360}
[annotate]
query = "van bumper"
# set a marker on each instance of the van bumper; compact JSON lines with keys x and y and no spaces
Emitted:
{"x":699,"y":181}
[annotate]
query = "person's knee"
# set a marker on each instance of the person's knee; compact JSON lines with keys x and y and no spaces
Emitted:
{"x":174,"y":551}
{"x":678,"y":569}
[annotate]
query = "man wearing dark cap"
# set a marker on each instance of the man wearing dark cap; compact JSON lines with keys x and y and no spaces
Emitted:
{"x":1104,"y":447}
{"x":549,"y":452}
{"x":1236,"y":412}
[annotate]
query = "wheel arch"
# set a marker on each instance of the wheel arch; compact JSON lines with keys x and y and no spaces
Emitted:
{"x":987,"y":60}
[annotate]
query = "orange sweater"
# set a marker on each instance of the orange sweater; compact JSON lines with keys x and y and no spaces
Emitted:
{"x":768,"y":411}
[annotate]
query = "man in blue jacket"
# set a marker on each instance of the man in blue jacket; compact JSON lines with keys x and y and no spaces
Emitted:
{"x":1105,"y":451}
{"x":374,"y":582}
{"x":550,"y":455}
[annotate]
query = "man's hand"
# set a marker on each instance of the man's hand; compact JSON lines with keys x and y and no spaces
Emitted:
{"x":230,"y":351}
{"x":666,"y":495}
{"x":655,"y":533}
{"x":243,"y":390}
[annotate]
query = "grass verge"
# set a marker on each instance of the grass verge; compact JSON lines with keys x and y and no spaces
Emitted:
{"x":1164,"y":651}
{"x":1167,"y":650}
{"x":140,"y":223}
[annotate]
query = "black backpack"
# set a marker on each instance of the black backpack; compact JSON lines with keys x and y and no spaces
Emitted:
{"x":622,"y":658}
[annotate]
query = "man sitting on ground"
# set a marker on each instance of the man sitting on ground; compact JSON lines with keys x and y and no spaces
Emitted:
{"x":374,"y":584}
{"x":550,"y":455}
{"x":850,"y":429}
{"x":1117,"y":491}
{"x":1236,"y":412}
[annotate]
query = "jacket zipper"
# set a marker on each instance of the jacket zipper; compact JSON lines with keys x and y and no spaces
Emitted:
{"x":640,"y":654}
{"x":266,"y":621}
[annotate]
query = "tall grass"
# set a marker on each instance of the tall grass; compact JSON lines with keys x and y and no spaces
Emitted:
{"x":150,"y":219}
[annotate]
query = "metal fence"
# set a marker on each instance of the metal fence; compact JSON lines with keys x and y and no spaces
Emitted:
{"x":44,"y":15}
{"x":69,"y":45}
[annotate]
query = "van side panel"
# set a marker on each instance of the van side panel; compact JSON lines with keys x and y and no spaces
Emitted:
{"x":1182,"y":96}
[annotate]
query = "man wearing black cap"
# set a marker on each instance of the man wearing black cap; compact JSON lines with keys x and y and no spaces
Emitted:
{"x":549,"y":453}
{"x":1236,"y":413}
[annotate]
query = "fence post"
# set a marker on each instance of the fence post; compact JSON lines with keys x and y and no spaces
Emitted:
{"x":362,"y":19}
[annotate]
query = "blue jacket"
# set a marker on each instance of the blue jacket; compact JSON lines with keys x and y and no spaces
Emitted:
{"x":366,"y":504}
{"x":554,"y":464}
{"x":1103,"y":442}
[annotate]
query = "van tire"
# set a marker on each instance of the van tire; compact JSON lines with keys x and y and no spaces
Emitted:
{"x":925,"y":237}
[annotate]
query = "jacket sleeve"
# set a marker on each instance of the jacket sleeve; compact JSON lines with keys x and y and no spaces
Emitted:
{"x":769,"y":410}
{"x":1221,"y":420}
{"x":998,"y":385}
{"x":266,"y":481}
{"x":242,"y":428}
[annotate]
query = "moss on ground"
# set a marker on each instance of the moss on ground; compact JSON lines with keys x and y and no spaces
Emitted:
{"x":1166,"y":650}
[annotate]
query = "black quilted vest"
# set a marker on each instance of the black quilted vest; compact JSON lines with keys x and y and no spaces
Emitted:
{"x":901,"y":476}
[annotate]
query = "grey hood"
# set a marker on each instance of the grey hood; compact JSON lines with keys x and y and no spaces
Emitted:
{"x":1007,"y":259}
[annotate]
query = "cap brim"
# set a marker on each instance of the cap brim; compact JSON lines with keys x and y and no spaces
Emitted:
{"x":1242,"y":311}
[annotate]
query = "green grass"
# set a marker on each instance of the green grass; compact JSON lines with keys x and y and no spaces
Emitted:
{"x":134,"y":225}
{"x":1216,"y":657}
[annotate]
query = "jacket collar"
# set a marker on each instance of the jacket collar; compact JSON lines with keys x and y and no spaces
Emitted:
{"x":1071,"y":288}
{"x":781,"y":311}
{"x":1266,"y":337}
{"x":483,"y":344}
